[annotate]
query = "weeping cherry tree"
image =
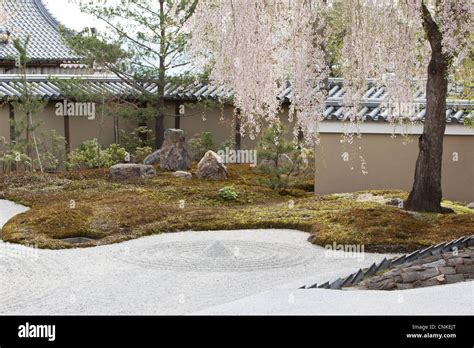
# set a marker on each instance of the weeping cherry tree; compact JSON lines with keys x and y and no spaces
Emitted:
{"x":258,"y":48}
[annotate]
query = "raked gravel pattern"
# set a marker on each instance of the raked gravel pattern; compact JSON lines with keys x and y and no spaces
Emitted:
{"x":185,"y":273}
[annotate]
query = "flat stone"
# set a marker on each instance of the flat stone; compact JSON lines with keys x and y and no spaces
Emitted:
{"x":125,"y":171}
{"x":408,"y":277}
{"x":465,"y":269}
{"x":77,"y":240}
{"x":183,"y":175}
{"x":428,"y":273}
{"x":464,"y":254}
{"x":438,"y":263}
{"x":447,"y":270}
{"x":468,"y":261}
{"x":398,"y":279}
{"x":428,"y":259}
{"x":438,"y":280}
{"x":402,"y":286}
{"x":387,"y":284}
{"x":453,"y":261}
{"x":415,"y":268}
{"x":393,"y":272}
{"x":405,"y":265}
{"x":267,"y":164}
{"x":454,"y":278}
{"x":393,"y":202}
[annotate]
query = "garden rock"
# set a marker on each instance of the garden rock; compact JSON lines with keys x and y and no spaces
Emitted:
{"x":285,"y":161}
{"x":471,"y":205}
{"x":396,"y":202}
{"x":174,"y":153}
{"x":438,"y":280}
{"x":454,"y":278}
{"x":267,"y":164}
{"x":211,"y":166}
{"x":183,"y":175}
{"x":125,"y":171}
{"x":153,"y":158}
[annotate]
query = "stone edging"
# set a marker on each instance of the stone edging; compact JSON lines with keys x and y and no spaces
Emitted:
{"x":362,"y":274}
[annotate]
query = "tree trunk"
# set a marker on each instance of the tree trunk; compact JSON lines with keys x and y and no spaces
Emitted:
{"x":426,"y":193}
{"x":160,"y":123}
{"x":160,"y":117}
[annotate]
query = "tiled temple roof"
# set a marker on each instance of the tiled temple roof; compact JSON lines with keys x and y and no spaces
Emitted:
{"x":49,"y":87}
{"x":31,"y":18}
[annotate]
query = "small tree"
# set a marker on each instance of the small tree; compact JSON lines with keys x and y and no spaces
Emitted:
{"x":27,"y":102}
{"x":147,"y":40}
{"x":285,"y":161}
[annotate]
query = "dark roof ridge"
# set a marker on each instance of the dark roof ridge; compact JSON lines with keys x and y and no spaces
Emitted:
{"x":43,"y":9}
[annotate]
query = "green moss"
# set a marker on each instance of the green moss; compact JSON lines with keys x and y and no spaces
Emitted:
{"x":111,"y":212}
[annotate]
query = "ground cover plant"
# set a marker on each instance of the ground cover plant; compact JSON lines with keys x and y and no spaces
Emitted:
{"x":84,"y":203}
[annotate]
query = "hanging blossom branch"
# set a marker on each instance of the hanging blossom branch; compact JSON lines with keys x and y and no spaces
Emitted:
{"x":386,"y":42}
{"x":256,"y":48}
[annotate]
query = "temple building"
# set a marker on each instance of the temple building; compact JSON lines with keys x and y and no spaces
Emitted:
{"x":378,"y":160}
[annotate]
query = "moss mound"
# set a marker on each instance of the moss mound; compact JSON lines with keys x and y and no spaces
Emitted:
{"x":109,"y":212}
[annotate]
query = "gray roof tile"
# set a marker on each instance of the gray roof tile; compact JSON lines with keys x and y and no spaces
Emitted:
{"x":31,"y":18}
{"x":371,"y":110}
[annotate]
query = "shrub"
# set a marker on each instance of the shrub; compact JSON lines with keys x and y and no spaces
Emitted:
{"x":229,"y":143}
{"x":140,"y":137}
{"x":200,"y":144}
{"x":141,"y":153}
{"x":53,"y":151}
{"x":138,"y":143}
{"x":112,"y":155}
{"x":227,"y":193}
{"x":91,"y":155}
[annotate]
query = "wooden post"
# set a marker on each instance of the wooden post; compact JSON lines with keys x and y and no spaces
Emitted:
{"x":238,"y":137}
{"x":67,"y":134}
{"x":12,"y":129}
{"x":12,"y":123}
{"x":177,"y":117}
{"x":116,"y":130}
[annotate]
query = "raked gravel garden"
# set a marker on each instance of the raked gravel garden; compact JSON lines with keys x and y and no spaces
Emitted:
{"x":205,"y":238}
{"x":214,"y":272}
{"x":105,"y":247}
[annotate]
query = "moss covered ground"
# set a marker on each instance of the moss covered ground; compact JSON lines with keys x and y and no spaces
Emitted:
{"x":87,"y":204}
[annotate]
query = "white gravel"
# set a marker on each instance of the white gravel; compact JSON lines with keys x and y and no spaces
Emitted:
{"x":224,"y":272}
{"x":9,"y":209}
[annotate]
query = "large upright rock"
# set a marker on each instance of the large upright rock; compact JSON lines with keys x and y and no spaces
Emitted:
{"x":211,"y":166}
{"x":125,"y":171}
{"x":174,"y":153}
